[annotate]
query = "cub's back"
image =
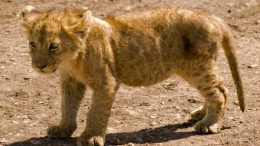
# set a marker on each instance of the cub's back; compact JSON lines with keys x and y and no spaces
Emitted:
{"x":149,"y":46}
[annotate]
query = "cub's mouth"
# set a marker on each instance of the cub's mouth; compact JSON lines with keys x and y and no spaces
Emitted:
{"x":45,"y":68}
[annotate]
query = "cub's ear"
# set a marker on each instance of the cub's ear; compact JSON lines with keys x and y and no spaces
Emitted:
{"x":79,"y":24}
{"x":28,"y":16}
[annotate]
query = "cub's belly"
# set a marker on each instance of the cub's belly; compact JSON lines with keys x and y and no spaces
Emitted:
{"x":141,"y":74}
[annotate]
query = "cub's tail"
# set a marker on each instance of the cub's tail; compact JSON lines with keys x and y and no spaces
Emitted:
{"x":230,"y":52}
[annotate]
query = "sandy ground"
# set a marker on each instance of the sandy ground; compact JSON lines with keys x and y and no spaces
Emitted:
{"x":155,"y":115}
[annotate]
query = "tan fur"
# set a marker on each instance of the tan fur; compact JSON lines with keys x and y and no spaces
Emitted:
{"x":140,"y":49}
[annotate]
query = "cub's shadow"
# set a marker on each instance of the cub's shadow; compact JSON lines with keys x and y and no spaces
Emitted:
{"x":152,"y":135}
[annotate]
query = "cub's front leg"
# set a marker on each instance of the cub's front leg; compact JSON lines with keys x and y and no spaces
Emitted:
{"x":97,"y":119}
{"x":72,"y":93}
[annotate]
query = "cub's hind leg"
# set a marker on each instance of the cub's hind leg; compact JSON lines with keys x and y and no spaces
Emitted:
{"x":207,"y":81}
{"x":72,"y":94}
{"x":200,"y":113}
{"x":212,"y":89}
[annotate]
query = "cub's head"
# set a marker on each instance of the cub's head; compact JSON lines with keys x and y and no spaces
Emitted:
{"x":55,"y":35}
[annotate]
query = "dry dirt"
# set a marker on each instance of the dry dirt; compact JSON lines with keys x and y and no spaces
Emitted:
{"x":155,"y":115}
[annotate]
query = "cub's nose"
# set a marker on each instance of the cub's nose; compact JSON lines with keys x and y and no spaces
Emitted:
{"x":41,"y":66}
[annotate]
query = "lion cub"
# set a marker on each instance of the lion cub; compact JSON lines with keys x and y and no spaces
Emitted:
{"x":137,"y":50}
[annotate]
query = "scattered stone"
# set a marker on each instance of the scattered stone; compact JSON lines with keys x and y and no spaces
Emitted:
{"x":177,"y":116}
{"x":236,"y":103}
{"x":153,"y":123}
{"x":170,"y":86}
{"x":26,"y":78}
{"x":192,"y":101}
{"x":153,"y":116}
{"x":111,"y":130}
{"x":231,"y":118}
{"x":131,"y":112}
{"x":130,"y":144}
{"x":144,"y":104}
{"x":252,"y":66}
{"x":17,"y":94}
{"x":12,"y":59}
{"x":229,"y":11}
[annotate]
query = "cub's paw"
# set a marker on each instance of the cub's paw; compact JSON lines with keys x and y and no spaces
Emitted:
{"x":60,"y":131}
{"x":204,"y":128}
{"x":198,"y":114}
{"x":92,"y":141}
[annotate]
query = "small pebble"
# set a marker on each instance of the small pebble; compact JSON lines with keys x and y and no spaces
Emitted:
{"x":153,"y":116}
{"x":130,"y":144}
{"x":177,"y":116}
{"x":236,"y":103}
{"x":153,"y":123}
{"x":26,"y":78}
{"x":252,"y":66}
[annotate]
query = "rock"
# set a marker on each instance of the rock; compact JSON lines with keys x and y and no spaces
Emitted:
{"x":177,"y":116}
{"x":111,"y":130}
{"x":130,"y":144}
{"x":236,"y":103}
{"x":26,"y":78}
{"x":153,"y":116}
{"x":131,"y":112}
{"x":153,"y":123}
{"x":12,"y":59}
{"x":252,"y":66}
{"x":231,"y":118}
{"x":144,"y":104}
{"x":192,"y":101}
{"x":169,"y":86}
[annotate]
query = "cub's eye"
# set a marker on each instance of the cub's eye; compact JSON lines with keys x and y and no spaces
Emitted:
{"x":53,"y":46}
{"x":32,"y":45}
